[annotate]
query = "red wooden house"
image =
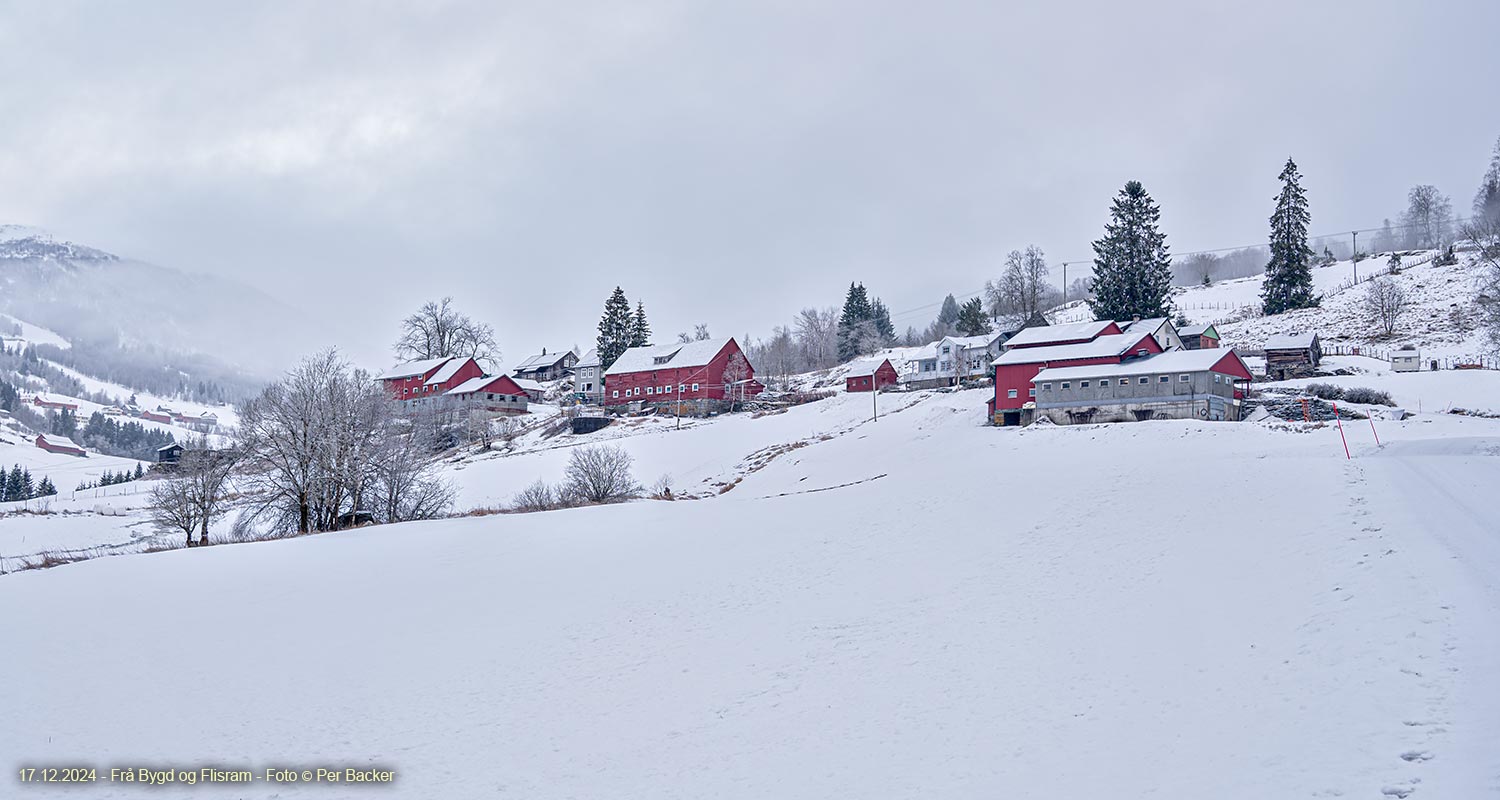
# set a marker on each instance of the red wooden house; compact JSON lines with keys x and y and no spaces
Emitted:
{"x":417,"y":381}
{"x":870,"y":376}
{"x":498,"y":394}
{"x":156,"y":416}
{"x":703,"y":373}
{"x":1015,"y":368}
{"x":59,"y":444}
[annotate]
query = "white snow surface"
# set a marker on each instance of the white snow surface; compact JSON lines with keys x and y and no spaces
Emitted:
{"x":909,"y":608}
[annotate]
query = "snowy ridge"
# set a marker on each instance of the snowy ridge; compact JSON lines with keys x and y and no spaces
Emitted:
{"x":20,"y":242}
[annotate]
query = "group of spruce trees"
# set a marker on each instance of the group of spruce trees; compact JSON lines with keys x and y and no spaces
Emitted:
{"x":18,"y":485}
{"x":621,"y":329}
{"x":864,"y":325}
{"x":114,"y":478}
{"x":1133,"y":270}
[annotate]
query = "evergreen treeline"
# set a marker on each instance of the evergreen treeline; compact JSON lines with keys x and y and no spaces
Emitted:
{"x":17,"y":485}
{"x":123,"y":438}
{"x":114,"y":478}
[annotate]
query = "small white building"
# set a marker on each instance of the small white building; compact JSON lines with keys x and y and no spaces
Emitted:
{"x":1407,"y":359}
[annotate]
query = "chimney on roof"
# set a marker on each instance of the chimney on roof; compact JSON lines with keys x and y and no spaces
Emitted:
{"x":1136,"y":318}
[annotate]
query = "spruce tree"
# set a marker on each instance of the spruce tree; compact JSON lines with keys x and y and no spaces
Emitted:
{"x":1288,"y":283}
{"x":640,"y":330}
{"x":1132,"y":270}
{"x":45,"y":488}
{"x":28,"y":490}
{"x":614,"y":328}
{"x":1487,"y":199}
{"x":972,"y":321}
{"x":856,"y":323}
{"x":948,"y":314}
{"x":882,"y":318}
{"x":13,"y":484}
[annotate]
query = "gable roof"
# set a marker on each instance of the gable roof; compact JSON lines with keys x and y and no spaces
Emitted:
{"x":1159,"y":363}
{"x":984,"y":340}
{"x":541,"y":360}
{"x":446,"y":372}
{"x":412,"y":369}
{"x":1052,"y":334}
{"x":486,"y":383}
{"x":589,"y":359}
{"x":1113,"y":344}
{"x":678,"y":355}
{"x":1151,"y":324}
{"x":1291,"y":341}
{"x":867,"y":367}
{"x":528,"y":385}
{"x":59,"y":441}
{"x":1198,"y":330}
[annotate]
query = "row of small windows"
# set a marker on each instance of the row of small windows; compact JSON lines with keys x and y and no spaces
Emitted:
{"x":1142,"y":380}
{"x":651,"y":390}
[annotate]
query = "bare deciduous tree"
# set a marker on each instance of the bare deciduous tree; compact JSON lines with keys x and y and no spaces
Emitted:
{"x":1428,"y":218}
{"x":817,"y":336}
{"x":1386,"y":302}
{"x":600,"y":474}
{"x":1484,"y":232}
{"x":197,"y":493}
{"x":1022,"y":293}
{"x":736,"y":373}
{"x":437,"y":330}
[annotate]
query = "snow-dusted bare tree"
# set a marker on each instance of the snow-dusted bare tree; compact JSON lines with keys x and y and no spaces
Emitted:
{"x":1385,"y":301}
{"x":1484,"y":232}
{"x":817,"y":336}
{"x":438,"y":330}
{"x":1428,"y":218}
{"x":196,"y":494}
{"x":736,"y":371}
{"x":600,"y":474}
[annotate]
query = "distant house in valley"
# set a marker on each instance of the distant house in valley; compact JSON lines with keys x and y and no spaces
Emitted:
{"x":1199,"y":337}
{"x":707,"y":375}
{"x":496,"y":394}
{"x":1293,"y":355}
{"x":169,"y":454}
{"x":1160,"y":328}
{"x":53,"y":443}
{"x":156,"y":416}
{"x":42,"y":401}
{"x":588,"y":378}
{"x":1181,"y":384}
{"x":954,"y":359}
{"x":546,"y":366}
{"x":416,"y":382}
{"x":870,"y":376}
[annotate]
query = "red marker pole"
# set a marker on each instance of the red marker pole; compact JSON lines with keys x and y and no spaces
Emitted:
{"x":1372,"y":430}
{"x":1341,"y":430}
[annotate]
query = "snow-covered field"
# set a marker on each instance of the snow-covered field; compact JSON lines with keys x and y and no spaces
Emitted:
{"x":915,"y":607}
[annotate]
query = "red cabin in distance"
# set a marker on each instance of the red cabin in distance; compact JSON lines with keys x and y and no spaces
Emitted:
{"x":59,"y":444}
{"x":421,"y":380}
{"x":870,"y":376}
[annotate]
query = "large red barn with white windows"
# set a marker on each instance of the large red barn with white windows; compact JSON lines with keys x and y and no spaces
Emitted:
{"x":421,"y":380}
{"x":702,"y":372}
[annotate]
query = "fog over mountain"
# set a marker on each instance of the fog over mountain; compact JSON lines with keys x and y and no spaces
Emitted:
{"x":726,"y":165}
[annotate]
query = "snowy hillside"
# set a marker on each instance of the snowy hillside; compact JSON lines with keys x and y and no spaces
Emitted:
{"x":918,"y":606}
{"x":1440,"y":320}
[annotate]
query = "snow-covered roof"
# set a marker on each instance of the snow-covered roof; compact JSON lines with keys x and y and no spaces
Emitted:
{"x":1291,"y":341}
{"x":589,"y":359}
{"x":866,"y":368}
{"x":676,"y":356}
{"x":1044,"y":334}
{"x":164,"y":448}
{"x":1113,"y":344}
{"x":1195,"y":330}
{"x":1160,"y":363}
{"x":412,"y":369}
{"x":61,"y":441}
{"x":446,"y":372}
{"x":541,"y":360}
{"x":972,"y":341}
{"x":1148,"y":325}
{"x":480,"y":383}
{"x":528,"y":385}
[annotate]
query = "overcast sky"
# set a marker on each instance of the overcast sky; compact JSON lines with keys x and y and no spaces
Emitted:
{"x":725,"y":163}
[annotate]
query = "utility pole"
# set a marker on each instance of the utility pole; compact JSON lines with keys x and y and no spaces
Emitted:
{"x":1355,"y":257}
{"x":1065,"y":283}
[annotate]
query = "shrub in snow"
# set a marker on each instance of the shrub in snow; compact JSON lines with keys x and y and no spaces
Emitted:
{"x":1324,"y":391}
{"x":538,"y":496}
{"x":600,"y":474}
{"x":1367,"y":396}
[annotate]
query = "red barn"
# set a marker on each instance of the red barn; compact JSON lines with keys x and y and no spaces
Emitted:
{"x":154,"y":416}
{"x":1072,"y":333}
{"x":422,"y":380}
{"x":704,"y":372}
{"x":59,"y":444}
{"x":1016,"y":367}
{"x":57,"y":405}
{"x":498,"y":394}
{"x":870,"y":376}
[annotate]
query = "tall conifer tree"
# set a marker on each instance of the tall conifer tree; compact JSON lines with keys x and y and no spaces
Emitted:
{"x":1288,"y":283}
{"x":856,"y":323}
{"x":615,"y":328}
{"x":1132,"y":269}
{"x":640,"y":330}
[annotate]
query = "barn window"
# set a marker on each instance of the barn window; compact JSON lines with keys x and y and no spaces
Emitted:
{"x":1011,"y":393}
{"x":1046,"y":387}
{"x":1067,"y":385}
{"x":695,"y":387}
{"x":1184,"y":378}
{"x":1141,"y":352}
{"x":1031,"y":392}
{"x":1216,"y":378}
{"x":1164,"y":379}
{"x":616,"y":393}
{"x":681,"y":387}
{"x":1143,"y":380}
{"x":1083,"y":384}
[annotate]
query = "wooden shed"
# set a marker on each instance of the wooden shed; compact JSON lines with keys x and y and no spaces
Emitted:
{"x":1292,"y":355}
{"x":870,"y":376}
